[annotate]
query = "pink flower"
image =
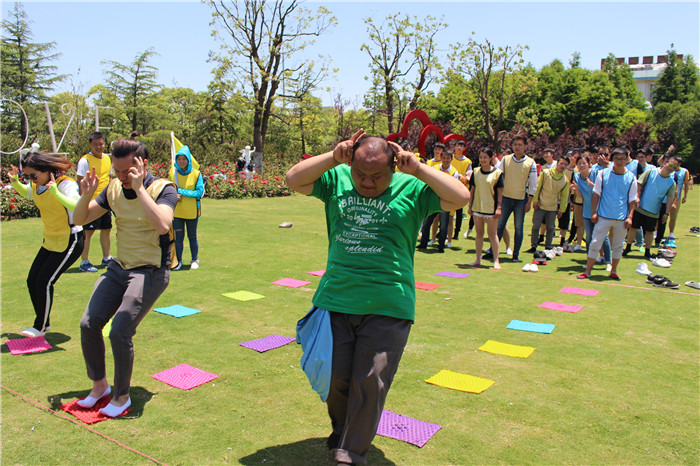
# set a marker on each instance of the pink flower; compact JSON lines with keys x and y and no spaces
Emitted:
{"x":244,"y":191}
{"x":279,"y":186}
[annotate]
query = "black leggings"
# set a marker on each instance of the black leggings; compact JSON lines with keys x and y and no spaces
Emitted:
{"x":45,"y":270}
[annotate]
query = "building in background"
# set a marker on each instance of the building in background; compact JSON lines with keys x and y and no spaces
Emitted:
{"x":646,"y":74}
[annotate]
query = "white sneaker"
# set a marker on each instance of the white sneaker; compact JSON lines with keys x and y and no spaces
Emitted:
{"x":509,"y":251}
{"x":466,"y":234}
{"x":527,"y":267}
{"x":643,"y":269}
{"x":194,"y":265}
{"x":599,"y":260}
{"x":660,"y":262}
{"x":449,"y":244}
{"x":534,"y":268}
{"x":550,"y":254}
{"x":559,"y":250}
{"x":577,"y":248}
{"x":32,"y":332}
{"x":608,"y":267}
{"x":431,"y":242}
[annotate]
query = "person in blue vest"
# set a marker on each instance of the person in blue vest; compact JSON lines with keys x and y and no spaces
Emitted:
{"x":614,"y":200}
{"x":55,"y":195}
{"x":190,"y":189}
{"x":682,"y":178}
{"x":652,"y":187}
{"x":372,"y":220}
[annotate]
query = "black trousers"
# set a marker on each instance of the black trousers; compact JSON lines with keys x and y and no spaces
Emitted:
{"x":43,"y":274}
{"x":442,"y":232}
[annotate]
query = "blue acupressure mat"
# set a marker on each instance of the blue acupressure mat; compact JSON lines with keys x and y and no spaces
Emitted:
{"x":177,"y":310}
{"x":530,"y":326}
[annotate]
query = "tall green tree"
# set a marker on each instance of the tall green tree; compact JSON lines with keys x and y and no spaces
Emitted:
{"x":486,"y":68}
{"x":262,"y":41}
{"x":621,"y":76}
{"x":402,"y":52}
{"x":678,"y":81}
{"x":134,"y":84}
{"x":26,"y":73}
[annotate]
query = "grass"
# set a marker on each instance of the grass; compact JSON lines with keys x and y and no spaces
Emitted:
{"x":616,"y":383}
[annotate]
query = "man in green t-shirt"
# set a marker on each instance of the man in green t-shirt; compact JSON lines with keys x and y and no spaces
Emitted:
{"x":372,"y":220}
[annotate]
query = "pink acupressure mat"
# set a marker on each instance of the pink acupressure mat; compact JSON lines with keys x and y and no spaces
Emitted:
{"x":267,"y":343}
{"x":579,"y":291}
{"x":28,"y":345}
{"x":427,"y":286}
{"x":184,"y":376}
{"x":406,"y":428}
{"x":560,"y":307}
{"x":90,"y":415}
{"x":290,"y":282}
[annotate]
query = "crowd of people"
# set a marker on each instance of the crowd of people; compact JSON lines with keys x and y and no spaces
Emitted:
{"x":378,"y":196}
{"x":616,"y":197}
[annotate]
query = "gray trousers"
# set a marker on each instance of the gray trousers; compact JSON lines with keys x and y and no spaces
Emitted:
{"x":127,"y":295}
{"x":366,"y":354}
{"x":550,"y":218}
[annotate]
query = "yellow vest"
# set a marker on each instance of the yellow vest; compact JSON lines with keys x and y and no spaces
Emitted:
{"x":55,"y":218}
{"x":186,"y":207}
{"x":138,"y":243}
{"x":515,"y":176}
{"x":462,"y":166}
{"x":102,"y":168}
{"x":485,"y":191}
{"x":551,"y":190}
{"x":432,"y":162}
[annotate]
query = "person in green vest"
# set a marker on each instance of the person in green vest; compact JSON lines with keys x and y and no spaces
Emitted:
{"x":190,"y":189}
{"x":55,"y":194}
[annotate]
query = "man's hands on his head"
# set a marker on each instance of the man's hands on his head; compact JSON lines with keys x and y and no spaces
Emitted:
{"x":343,"y":151}
{"x":406,"y":161}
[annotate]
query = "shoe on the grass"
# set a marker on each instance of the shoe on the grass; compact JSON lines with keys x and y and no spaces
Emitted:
{"x":431,"y":242}
{"x":106,"y":260}
{"x":31,"y":332}
{"x":608,"y":267}
{"x":194,"y":265}
{"x":86,"y":266}
{"x":693,"y":284}
{"x":509,"y":251}
{"x":583,"y":276}
{"x":178,"y":267}
{"x":526,"y":267}
{"x":643,"y":269}
{"x":615,"y":276}
{"x":531,"y":250}
{"x":671,"y":243}
{"x":663,"y":282}
{"x":652,"y":277}
{"x":660,"y":262}
{"x":449,"y":245}
{"x":286,"y":225}
{"x":559,"y":250}
{"x":534,"y":268}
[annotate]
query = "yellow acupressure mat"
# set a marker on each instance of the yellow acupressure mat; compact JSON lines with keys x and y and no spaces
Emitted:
{"x":462,"y":382}
{"x":515,"y":351}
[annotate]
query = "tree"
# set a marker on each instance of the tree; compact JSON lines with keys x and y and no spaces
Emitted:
{"x":26,"y":75}
{"x":262,"y":45}
{"x":134,"y":84}
{"x":621,"y":76}
{"x":398,"y":46}
{"x":486,"y":68}
{"x":678,"y":81}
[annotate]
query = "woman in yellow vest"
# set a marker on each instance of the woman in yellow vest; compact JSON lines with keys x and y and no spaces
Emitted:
{"x":190,"y":189}
{"x":486,"y":186}
{"x":55,"y":195}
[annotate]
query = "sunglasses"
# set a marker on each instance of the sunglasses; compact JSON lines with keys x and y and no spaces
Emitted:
{"x":30,"y":176}
{"x":673,"y":167}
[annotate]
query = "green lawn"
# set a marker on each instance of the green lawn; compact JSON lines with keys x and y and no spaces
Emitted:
{"x":616,"y":383}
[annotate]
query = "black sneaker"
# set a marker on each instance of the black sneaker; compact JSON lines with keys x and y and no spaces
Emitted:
{"x":652,"y":278}
{"x":487,"y":255}
{"x":531,"y":250}
{"x":664,"y":282}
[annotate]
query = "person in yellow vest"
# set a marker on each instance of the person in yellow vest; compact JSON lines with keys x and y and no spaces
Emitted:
{"x":143,"y":208}
{"x":464,"y":167}
{"x":190,"y":189}
{"x":445,"y":167}
{"x":55,"y":196}
{"x":550,"y":201}
{"x":486,"y":187}
{"x":519,"y":184}
{"x":102,"y":164}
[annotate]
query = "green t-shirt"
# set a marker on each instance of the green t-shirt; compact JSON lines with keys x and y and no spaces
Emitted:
{"x":371,"y":242}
